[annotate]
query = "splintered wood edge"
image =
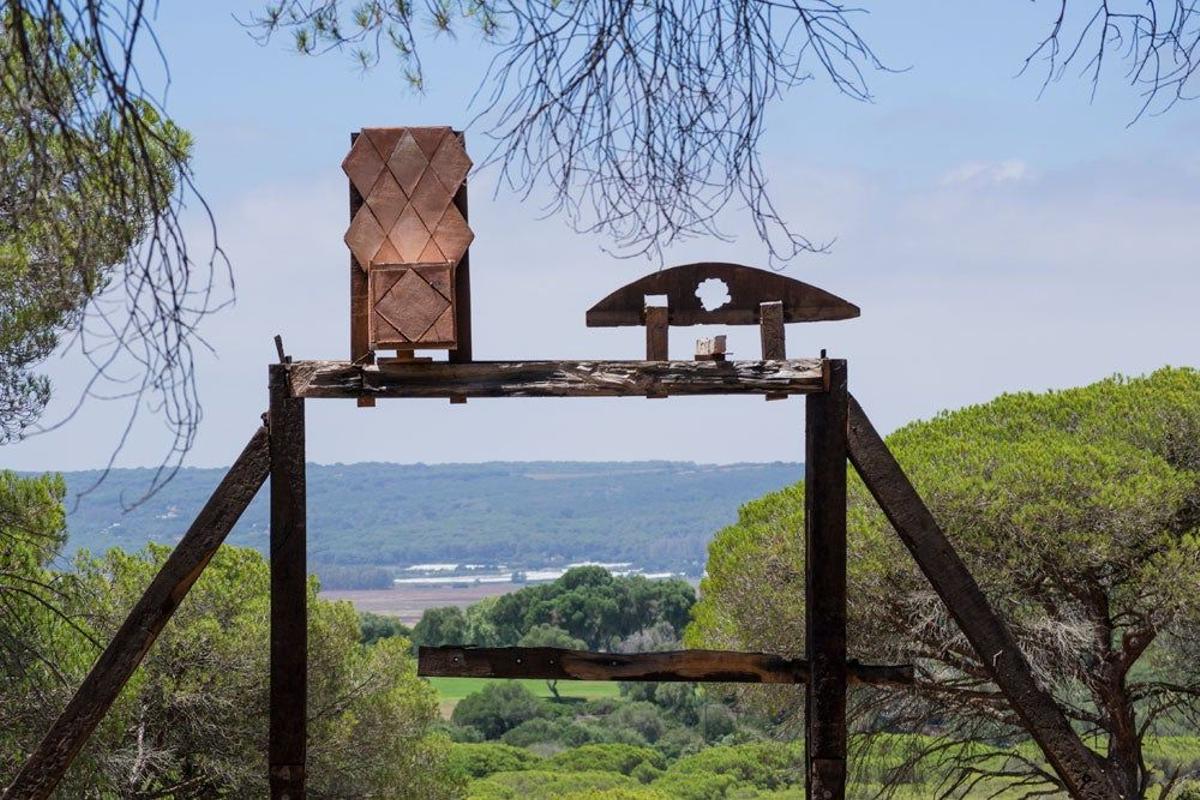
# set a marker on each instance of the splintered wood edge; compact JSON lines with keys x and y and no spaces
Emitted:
{"x":702,"y":666}
{"x":333,"y":379}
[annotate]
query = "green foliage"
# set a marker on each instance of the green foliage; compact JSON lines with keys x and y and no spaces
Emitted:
{"x":763,"y":765}
{"x":556,"y":732}
{"x":380,"y":626}
{"x":41,"y":645}
{"x":658,"y":515}
{"x":500,"y":707}
{"x":695,"y":786}
{"x":439,"y":626}
{"x":191,"y":722}
{"x":368,"y":716}
{"x":643,"y":718}
{"x":546,"y":785}
{"x":1077,"y":511}
{"x":76,"y":197}
{"x":594,"y":606}
{"x":1189,"y":791}
{"x":622,"y":758}
{"x":544,"y":635}
{"x":485,"y":758}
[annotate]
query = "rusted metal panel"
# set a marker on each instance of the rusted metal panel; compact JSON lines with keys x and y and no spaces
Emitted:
{"x":748,"y":287}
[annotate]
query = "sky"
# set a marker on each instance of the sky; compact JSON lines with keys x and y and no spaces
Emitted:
{"x":996,"y":238}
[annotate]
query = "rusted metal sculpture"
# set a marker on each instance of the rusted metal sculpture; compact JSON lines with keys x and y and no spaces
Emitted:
{"x":409,"y":290}
{"x":753,"y":297}
{"x":408,"y":238}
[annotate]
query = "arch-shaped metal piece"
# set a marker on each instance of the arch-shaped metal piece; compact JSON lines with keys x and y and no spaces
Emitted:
{"x":748,"y":288}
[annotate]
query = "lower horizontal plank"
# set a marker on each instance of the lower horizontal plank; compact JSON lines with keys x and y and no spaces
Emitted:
{"x":703,"y":666}
{"x":556,"y":378}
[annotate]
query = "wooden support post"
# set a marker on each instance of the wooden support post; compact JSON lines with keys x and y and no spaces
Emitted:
{"x":360,"y":305}
{"x":47,"y":764}
{"x":552,"y":663}
{"x":774,"y":336}
{"x":1077,"y":766}
{"x":770,"y":326}
{"x":289,"y":592}
{"x":825,"y":588}
{"x":656,"y":340}
{"x":656,"y":333}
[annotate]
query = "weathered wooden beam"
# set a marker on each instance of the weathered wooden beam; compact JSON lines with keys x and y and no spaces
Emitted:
{"x":1077,"y":766}
{"x":773,"y":334}
{"x":701,"y":666}
{"x":289,"y":593}
{"x":555,"y":378}
{"x":47,"y":764}
{"x":825,"y":587}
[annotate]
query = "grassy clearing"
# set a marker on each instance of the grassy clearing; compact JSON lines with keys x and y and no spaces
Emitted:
{"x":451,"y":690}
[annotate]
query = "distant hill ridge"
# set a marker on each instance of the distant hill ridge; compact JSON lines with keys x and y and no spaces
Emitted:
{"x":656,"y":514}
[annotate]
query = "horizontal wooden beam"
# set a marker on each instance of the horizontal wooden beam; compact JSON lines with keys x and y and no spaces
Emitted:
{"x":556,"y":378}
{"x":702,"y":666}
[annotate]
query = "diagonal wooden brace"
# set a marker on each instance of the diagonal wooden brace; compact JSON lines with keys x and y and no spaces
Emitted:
{"x":47,"y":764}
{"x":1076,"y":765}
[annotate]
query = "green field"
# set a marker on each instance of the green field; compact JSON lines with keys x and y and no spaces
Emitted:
{"x":451,"y":690}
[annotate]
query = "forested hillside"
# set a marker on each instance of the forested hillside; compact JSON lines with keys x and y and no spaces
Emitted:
{"x":659,"y":515}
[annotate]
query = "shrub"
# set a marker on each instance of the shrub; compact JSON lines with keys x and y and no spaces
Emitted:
{"x":694,"y":786}
{"x":645,"y":772}
{"x":678,"y":742}
{"x":487,"y":758}
{"x":644,"y":718}
{"x":622,"y":758}
{"x":716,"y":722}
{"x":498,"y":708}
{"x":550,"y":731}
{"x":763,"y":765}
{"x":542,"y":785}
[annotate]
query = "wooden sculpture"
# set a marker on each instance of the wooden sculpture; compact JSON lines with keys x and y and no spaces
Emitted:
{"x":409,"y":290}
{"x":409,"y":236}
{"x":754,"y":297}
